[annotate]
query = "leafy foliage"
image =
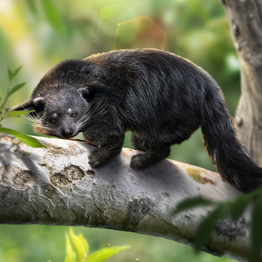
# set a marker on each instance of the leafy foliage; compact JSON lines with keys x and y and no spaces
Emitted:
{"x":82,"y":250}
{"x":3,"y":114}
{"x":30,"y":141}
{"x":233,"y":209}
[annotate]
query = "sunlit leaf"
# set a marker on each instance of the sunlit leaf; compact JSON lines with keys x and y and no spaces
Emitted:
{"x":15,"y":88}
{"x":18,"y":113}
{"x":30,"y":141}
{"x":52,"y":13}
{"x":105,"y":253}
{"x":79,"y":244}
{"x":192,"y":203}
{"x":70,"y":253}
{"x":207,"y":226}
{"x":85,"y":244}
{"x":256,"y":230}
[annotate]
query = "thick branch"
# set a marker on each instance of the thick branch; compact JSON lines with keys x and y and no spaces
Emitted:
{"x":56,"y":186}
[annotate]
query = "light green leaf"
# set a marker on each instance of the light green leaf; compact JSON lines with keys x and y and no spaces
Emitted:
{"x":256,"y":229}
{"x":80,"y":245}
{"x":192,"y":203}
{"x":105,"y":253}
{"x":85,"y":244}
{"x":15,"y":88}
{"x":70,"y":253}
{"x":30,"y":141}
{"x":18,"y":113}
{"x":207,"y":226}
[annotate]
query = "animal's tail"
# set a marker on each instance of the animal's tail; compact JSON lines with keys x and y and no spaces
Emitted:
{"x":226,"y":150}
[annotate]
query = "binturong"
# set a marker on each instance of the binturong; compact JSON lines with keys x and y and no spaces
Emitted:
{"x":161,"y":97}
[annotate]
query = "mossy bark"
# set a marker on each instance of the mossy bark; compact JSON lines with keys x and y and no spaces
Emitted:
{"x":245,"y":19}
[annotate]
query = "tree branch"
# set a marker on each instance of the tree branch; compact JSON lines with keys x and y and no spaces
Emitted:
{"x":245,"y":20}
{"x":56,"y":186}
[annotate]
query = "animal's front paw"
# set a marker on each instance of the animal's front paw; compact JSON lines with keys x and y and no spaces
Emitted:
{"x":99,"y":157}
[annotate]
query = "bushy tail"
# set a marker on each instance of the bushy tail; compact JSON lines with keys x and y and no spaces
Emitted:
{"x":227,"y":152}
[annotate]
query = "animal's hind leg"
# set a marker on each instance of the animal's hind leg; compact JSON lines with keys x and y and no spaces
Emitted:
{"x":154,"y":152}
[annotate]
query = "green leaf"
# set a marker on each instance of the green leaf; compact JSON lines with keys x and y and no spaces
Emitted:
{"x":207,"y":226}
{"x":70,"y":253}
{"x":256,"y":229}
{"x":10,"y":74}
{"x":80,"y":245}
{"x":192,"y":203}
{"x":30,"y":141}
{"x":18,"y":113}
{"x":85,"y":244}
{"x":15,"y":88}
{"x":239,"y":205}
{"x":16,"y":71}
{"x":13,"y":75}
{"x":105,"y":253}
{"x":52,"y":13}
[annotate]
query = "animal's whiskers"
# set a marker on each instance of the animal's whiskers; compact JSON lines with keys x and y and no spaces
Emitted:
{"x":97,"y":110}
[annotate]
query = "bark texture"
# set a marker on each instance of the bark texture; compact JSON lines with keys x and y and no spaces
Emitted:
{"x":56,"y":186}
{"x":245,"y":19}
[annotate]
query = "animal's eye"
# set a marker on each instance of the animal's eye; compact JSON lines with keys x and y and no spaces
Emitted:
{"x":53,"y":120}
{"x":73,"y":115}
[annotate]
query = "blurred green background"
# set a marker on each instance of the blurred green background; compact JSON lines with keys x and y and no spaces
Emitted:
{"x":40,"y":33}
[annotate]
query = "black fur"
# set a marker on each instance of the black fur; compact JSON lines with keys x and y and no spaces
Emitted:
{"x":161,"y":97}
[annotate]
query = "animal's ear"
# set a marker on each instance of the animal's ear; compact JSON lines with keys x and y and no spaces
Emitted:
{"x":99,"y":89}
{"x":36,"y":104}
{"x":85,"y":93}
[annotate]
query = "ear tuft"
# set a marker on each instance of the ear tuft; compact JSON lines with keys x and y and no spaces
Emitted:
{"x":84,"y":92}
{"x":38,"y":102}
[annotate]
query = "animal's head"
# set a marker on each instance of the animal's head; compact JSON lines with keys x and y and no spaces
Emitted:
{"x":62,"y":114}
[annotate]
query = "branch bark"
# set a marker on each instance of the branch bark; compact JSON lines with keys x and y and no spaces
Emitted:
{"x":245,"y":20}
{"x":56,"y":186}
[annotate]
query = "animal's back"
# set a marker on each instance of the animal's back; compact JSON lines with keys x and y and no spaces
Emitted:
{"x":156,"y":84}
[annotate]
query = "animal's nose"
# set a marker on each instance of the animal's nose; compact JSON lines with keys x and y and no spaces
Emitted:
{"x":68,"y":132}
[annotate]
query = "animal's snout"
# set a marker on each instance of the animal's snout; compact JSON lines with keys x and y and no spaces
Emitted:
{"x":68,"y":132}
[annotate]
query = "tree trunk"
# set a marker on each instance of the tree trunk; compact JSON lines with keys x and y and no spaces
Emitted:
{"x":245,"y":19}
{"x":56,"y":186}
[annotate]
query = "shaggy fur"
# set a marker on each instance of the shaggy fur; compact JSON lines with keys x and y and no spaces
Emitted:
{"x":161,"y":97}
